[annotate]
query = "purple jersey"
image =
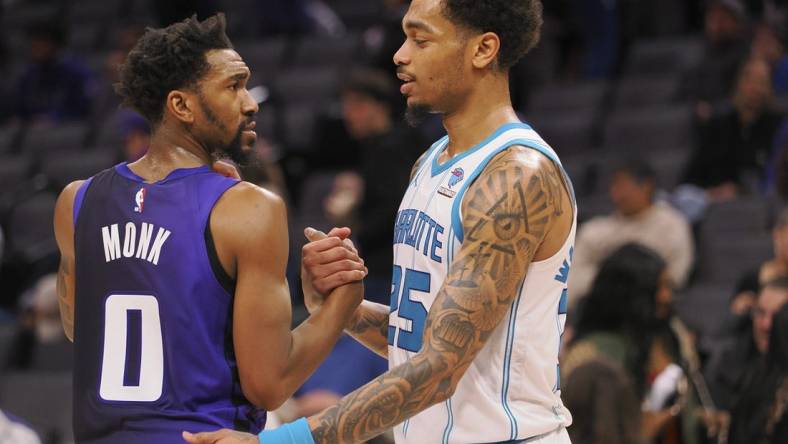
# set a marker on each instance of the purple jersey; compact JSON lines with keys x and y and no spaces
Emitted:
{"x":153,"y":327}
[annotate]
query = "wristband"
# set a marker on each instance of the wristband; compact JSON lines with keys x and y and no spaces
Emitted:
{"x":296,"y":432}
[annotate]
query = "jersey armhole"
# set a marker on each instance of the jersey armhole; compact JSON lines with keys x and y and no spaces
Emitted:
{"x":224,"y":279}
{"x":79,"y":197}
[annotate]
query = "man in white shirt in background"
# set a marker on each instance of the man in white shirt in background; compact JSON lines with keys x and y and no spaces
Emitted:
{"x":637,"y":218}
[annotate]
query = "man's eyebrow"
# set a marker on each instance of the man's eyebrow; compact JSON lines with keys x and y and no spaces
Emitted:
{"x":417,"y":24}
{"x":239,"y":76}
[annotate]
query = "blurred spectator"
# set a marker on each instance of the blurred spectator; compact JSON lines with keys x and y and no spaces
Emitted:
{"x":759,"y":415}
{"x":135,"y":131}
{"x":604,"y":406}
{"x":373,"y":193}
{"x":735,"y":145}
{"x":15,"y":431}
{"x":773,"y":296}
{"x":39,"y":322}
{"x":726,"y":47}
{"x":627,"y":318}
{"x":768,"y":44}
{"x":771,"y":269}
{"x":53,"y":87}
{"x":638,"y":218}
{"x":727,"y":366}
{"x":618,"y":317}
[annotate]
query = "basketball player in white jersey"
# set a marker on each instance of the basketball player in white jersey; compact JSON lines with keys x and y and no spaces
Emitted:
{"x":482,"y":249}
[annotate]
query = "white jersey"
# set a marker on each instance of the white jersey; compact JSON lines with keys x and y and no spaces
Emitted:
{"x":511,"y":391}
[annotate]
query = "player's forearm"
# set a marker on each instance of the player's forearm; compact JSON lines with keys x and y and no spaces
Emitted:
{"x":385,"y":402}
{"x":369,"y":326}
{"x":314,"y":339}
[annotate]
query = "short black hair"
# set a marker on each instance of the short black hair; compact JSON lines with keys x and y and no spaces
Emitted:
{"x":518,"y":23}
{"x":639,"y":169}
{"x":167,"y":59}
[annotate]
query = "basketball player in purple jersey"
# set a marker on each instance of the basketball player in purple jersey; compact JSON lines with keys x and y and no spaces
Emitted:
{"x":172,"y":277}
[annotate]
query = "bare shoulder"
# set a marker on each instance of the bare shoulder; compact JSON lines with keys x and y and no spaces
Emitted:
{"x":519,"y":199}
{"x":524,"y":171}
{"x":247,"y":200}
{"x":69,"y":192}
{"x":65,"y":202}
{"x":246,"y":212}
{"x":522,"y":158}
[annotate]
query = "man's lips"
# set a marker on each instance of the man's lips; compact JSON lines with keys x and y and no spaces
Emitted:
{"x":408,"y":85}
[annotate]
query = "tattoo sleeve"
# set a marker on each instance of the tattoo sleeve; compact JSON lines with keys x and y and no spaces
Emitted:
{"x":506,"y":214}
{"x":64,"y":298}
{"x":369,"y":326}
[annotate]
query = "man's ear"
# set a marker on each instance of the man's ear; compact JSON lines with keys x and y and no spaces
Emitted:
{"x":180,"y":105}
{"x":486,"y":49}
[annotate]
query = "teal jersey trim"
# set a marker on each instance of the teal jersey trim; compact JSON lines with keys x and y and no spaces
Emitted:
{"x":438,"y":168}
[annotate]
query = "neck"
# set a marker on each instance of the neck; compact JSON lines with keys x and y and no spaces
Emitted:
{"x":486,"y":108}
{"x":170,"y":149}
{"x":639,"y":212}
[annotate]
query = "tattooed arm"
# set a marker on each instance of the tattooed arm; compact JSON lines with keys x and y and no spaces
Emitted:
{"x":369,"y":326}
{"x":64,"y":234}
{"x":508,"y":213}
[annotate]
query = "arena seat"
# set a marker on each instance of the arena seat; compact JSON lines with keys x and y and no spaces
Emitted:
{"x":646,"y":90}
{"x":663,"y":56}
{"x":30,"y":235}
{"x":65,"y":167}
{"x":44,"y":139}
{"x":649,"y":129}
{"x":326,"y":52}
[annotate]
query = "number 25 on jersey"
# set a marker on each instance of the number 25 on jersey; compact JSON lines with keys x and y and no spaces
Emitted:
{"x":407,"y":308}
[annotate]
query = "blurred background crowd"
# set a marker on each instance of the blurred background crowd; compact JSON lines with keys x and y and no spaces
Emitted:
{"x":669,"y":116}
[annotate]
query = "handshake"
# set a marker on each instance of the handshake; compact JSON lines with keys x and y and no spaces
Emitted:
{"x":328,"y":262}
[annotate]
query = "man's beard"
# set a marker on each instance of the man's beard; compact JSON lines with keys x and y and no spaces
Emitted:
{"x":233,"y":150}
{"x":415,"y":115}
